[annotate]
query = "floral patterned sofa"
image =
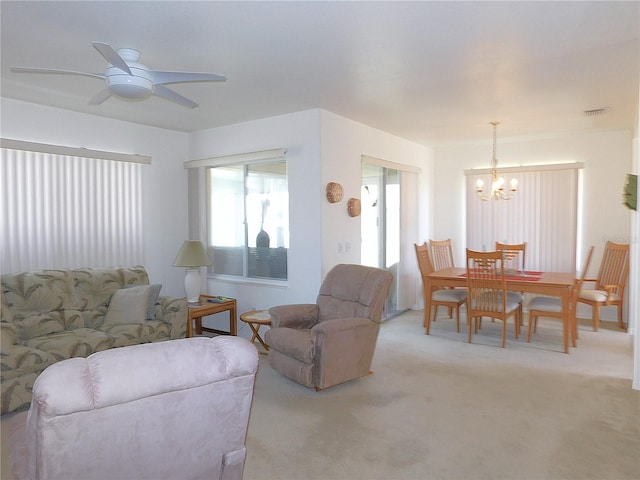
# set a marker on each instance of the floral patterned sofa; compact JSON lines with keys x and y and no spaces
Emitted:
{"x":51,"y":315}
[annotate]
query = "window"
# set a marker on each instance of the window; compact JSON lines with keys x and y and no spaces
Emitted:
{"x":543,"y":213}
{"x":248,"y":219}
{"x":69,"y":211}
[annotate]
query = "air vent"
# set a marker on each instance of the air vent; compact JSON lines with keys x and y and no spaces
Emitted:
{"x":596,"y":111}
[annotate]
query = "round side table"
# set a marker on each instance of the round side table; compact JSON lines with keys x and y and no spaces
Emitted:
{"x":256,"y":319}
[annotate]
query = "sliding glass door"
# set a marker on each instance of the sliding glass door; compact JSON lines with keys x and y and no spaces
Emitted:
{"x":381,"y":203}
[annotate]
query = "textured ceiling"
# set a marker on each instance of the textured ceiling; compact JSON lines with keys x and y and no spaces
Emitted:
{"x":431,"y":72}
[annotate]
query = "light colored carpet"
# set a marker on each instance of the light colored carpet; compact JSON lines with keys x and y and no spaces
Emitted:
{"x":437,"y":407}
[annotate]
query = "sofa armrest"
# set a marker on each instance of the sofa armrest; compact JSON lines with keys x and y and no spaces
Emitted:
{"x":174,"y":311}
{"x":303,"y":315}
{"x":8,"y":336}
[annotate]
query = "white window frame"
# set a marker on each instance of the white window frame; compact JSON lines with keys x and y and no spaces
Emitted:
{"x":244,"y":160}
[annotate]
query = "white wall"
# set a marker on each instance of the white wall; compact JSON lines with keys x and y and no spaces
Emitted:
{"x":298,"y":133}
{"x":343,"y":143}
{"x":165,"y":199}
{"x":607,"y":158}
{"x":322,"y":147}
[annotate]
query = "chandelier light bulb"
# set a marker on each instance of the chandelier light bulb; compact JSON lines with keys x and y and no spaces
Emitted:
{"x":498,"y":182}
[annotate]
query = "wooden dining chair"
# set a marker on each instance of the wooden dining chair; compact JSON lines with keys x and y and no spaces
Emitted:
{"x":487,"y":292}
{"x":441,"y":254}
{"x":453,"y":299}
{"x":543,"y":306}
{"x":514,"y":255}
{"x":609,"y":284}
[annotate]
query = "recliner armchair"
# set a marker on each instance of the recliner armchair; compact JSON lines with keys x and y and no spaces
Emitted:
{"x":332,"y":341}
{"x":177,"y":409}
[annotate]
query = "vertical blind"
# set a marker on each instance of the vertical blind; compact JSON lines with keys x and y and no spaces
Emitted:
{"x":543,"y":213}
{"x":62,"y":211}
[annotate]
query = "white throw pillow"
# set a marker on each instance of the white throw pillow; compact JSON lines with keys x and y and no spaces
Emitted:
{"x":128,"y":306}
{"x":153,"y":298}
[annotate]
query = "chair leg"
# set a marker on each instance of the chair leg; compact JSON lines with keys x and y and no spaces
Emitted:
{"x":427,"y":319}
{"x":458,"y":319}
{"x":620,"y":321}
{"x":470,"y":320}
{"x":533,"y":320}
{"x":504,"y":332}
{"x":596,"y":318}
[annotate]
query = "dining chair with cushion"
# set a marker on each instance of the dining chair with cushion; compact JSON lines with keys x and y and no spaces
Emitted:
{"x":453,"y":299}
{"x":609,"y":284}
{"x":487,"y":292}
{"x":514,"y":255}
{"x":441,"y":254}
{"x":543,"y":306}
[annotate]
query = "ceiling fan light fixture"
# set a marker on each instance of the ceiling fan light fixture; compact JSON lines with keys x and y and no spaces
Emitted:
{"x":130,"y":80}
{"x":137,"y":86}
{"x":131,"y":91}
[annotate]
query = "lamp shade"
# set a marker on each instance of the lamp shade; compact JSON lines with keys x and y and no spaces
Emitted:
{"x":192,"y":254}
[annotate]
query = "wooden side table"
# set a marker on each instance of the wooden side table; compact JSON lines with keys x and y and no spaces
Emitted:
{"x":256,"y":319}
{"x":205,"y":307}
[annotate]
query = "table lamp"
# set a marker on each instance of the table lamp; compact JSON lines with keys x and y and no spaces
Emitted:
{"x":192,"y":255}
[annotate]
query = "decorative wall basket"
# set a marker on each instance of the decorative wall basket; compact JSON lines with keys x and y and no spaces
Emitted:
{"x":353,"y":207}
{"x":334,"y":192}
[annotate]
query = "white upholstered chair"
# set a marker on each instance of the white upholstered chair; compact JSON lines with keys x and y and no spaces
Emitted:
{"x":176,"y":409}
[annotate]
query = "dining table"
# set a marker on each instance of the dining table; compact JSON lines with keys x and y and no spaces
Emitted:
{"x":555,"y":284}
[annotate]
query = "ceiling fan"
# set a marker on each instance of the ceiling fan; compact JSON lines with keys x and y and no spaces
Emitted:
{"x":128,"y":79}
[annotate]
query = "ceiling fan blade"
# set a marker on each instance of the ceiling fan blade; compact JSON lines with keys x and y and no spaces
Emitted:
{"x":100,"y":97}
{"x":111,"y":56}
{"x":172,"y":96}
{"x":53,"y":71}
{"x":160,"y":77}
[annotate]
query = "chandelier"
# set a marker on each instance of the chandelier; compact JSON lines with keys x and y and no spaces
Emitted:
{"x":497,"y":182}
